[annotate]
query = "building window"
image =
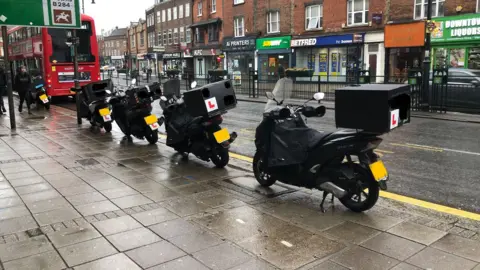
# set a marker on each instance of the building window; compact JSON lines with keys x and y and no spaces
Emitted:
{"x":188,"y":35}
{"x":273,"y":22}
{"x":165,"y":38}
{"x":478,"y":5}
{"x":175,"y":36}
{"x":160,"y":39}
{"x":175,"y":13}
{"x":180,"y":11}
{"x":236,"y":2}
{"x":142,"y":39}
{"x":163,"y":16}
{"x":357,"y":12}
{"x":239,"y":26}
{"x":213,"y":33}
{"x":199,"y":35}
{"x":158,"y":16}
{"x":182,"y":34}
{"x":313,"y":17}
{"x":187,"y":10}
{"x":200,"y":8}
{"x":132,"y":41}
{"x":214,"y":6}
{"x":170,"y":37}
{"x":438,"y":8}
{"x":169,"y":14}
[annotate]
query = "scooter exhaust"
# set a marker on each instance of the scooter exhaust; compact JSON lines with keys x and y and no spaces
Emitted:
{"x":334,"y":189}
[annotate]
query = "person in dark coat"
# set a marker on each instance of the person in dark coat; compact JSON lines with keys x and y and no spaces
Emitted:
{"x":281,"y":71}
{"x":23,"y":85}
{"x":3,"y":89}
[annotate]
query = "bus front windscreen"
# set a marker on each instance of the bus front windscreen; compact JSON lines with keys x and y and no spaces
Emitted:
{"x":62,"y":53}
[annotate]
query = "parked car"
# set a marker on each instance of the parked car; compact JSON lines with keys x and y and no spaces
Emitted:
{"x":108,"y":68}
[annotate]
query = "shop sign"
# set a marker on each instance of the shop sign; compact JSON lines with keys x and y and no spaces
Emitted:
{"x":328,"y":40}
{"x":171,"y":55}
{"x":405,"y":35}
{"x":273,"y":43}
{"x":239,"y":44}
{"x":205,"y":52}
{"x":456,"y":28}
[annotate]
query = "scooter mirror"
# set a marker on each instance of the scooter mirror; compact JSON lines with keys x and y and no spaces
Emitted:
{"x":319,"y":96}
{"x":134,"y":81}
{"x":321,"y":110}
{"x":163,"y":98}
{"x":270,"y":95}
{"x":193,"y":84}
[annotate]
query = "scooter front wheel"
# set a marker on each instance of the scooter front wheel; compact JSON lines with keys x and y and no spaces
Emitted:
{"x":152,"y":136}
{"x":264,"y":179}
{"x":364,"y":194}
{"x":220,"y":157}
{"x":107,"y":126}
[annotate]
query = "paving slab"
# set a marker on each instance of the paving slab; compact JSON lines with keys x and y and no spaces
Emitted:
{"x":7,"y":193}
{"x":27,"y":181}
{"x":132,"y":239}
{"x":13,"y":212}
{"x":222,"y":257}
{"x":195,"y":241}
{"x":185,"y":206}
{"x":118,"y":262}
{"x":173,"y":228}
{"x":405,"y":266}
{"x":26,"y":248}
{"x":73,"y":235}
{"x":466,"y":248}
{"x":18,"y":224}
{"x":131,"y":201}
{"x":57,"y":215}
{"x":364,"y":259}
{"x":75,"y":190}
{"x":11,"y":201}
{"x":117,"y":225}
{"x":418,"y":233}
{"x":155,"y":254}
{"x":48,"y":260}
{"x":86,"y":198}
{"x":251,"y":184}
{"x":33,"y":188}
{"x":47,"y":205}
{"x":40,"y":196}
{"x":328,"y":265}
{"x":160,"y":195}
{"x":86,"y":251}
{"x":393,"y":246}
{"x":185,"y":262}
{"x":154,"y":216}
{"x":96,"y":208}
{"x":431,"y":258}
{"x":254,"y":265}
{"x":352,"y":232}
{"x":119,"y":192}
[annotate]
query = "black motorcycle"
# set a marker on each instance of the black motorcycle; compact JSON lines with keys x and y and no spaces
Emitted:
{"x":341,"y":163}
{"x":200,"y":135}
{"x":132,"y":111}
{"x":38,"y":94}
{"x":93,"y":104}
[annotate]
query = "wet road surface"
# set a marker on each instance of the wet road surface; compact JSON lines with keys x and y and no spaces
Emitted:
{"x":428,"y":159}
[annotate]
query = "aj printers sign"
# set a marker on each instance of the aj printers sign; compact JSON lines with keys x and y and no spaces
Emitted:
{"x":457,"y":28}
{"x":42,"y":13}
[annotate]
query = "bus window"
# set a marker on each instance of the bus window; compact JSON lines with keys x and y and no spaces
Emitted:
{"x":62,"y":53}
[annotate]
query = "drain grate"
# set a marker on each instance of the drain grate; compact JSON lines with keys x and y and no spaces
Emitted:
{"x":87,"y":162}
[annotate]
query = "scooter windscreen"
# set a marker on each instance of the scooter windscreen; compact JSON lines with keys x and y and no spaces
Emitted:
{"x":282,"y":93}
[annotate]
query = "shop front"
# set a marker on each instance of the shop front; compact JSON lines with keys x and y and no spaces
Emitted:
{"x":271,"y":53}
{"x":374,"y":56}
{"x":178,"y":60}
{"x":239,"y":57}
{"x":404,"y":50}
{"x":205,"y":60}
{"x":332,"y":58}
{"x":456,"y":42}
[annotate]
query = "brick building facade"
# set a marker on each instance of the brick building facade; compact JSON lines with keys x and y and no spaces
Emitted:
{"x":137,"y":45}
{"x":116,"y":47}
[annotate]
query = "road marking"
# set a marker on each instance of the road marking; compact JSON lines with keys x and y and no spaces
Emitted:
{"x":404,"y":199}
{"x":417,"y":146}
{"x":287,"y":244}
{"x":429,"y":205}
{"x":462,"y":152}
{"x":384,"y":151}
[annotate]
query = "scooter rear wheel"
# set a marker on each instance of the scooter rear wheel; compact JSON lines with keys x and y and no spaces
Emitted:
{"x":108,"y":127}
{"x":220,"y":157}
{"x":364,"y":194}
{"x":152,"y":136}
{"x":264,"y":179}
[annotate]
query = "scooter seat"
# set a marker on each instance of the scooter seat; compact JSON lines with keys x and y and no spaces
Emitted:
{"x":315,"y":137}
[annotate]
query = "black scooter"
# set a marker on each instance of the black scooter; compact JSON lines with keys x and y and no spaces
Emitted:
{"x":201,"y":136}
{"x":93,"y":104}
{"x":132,"y":110}
{"x":341,"y":163}
{"x":39,"y":95}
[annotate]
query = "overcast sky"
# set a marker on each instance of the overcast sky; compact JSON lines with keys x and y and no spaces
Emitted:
{"x":110,"y":13}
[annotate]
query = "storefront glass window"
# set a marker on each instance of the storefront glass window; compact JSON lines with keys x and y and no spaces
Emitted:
{"x":239,"y":63}
{"x":401,"y":60}
{"x":474,"y":58}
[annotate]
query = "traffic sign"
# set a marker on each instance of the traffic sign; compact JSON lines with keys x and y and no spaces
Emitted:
{"x":43,"y":13}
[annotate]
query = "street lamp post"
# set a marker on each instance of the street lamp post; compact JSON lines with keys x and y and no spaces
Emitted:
{"x":427,"y":60}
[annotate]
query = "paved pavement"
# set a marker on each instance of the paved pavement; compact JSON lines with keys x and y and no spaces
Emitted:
{"x":73,"y":199}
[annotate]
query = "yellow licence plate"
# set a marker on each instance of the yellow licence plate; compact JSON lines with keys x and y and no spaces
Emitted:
{"x":151,"y":119}
{"x":104,"y":111}
{"x":222,"y":135}
{"x":43,"y":97}
{"x":378,"y":170}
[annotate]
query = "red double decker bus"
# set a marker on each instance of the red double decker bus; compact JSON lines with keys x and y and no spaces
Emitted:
{"x":46,"y":51}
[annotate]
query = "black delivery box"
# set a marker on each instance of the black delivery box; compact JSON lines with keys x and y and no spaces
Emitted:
{"x":375,"y":108}
{"x":211,"y":99}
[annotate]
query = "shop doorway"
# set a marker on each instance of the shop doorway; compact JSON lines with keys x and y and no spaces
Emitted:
{"x":269,"y":65}
{"x":372,"y":67}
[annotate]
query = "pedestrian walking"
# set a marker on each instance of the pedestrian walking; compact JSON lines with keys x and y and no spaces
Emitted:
{"x":281,"y":71}
{"x":23,"y":84}
{"x":3,"y":89}
{"x":149,"y":73}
